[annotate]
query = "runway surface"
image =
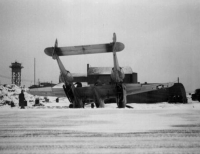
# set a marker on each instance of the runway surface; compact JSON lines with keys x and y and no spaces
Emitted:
{"x":156,"y":129}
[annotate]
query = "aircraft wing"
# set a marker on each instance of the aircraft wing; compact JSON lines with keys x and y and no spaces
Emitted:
{"x":104,"y":91}
{"x":84,"y":49}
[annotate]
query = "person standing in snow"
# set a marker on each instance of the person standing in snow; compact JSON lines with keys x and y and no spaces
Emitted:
{"x":21,"y":100}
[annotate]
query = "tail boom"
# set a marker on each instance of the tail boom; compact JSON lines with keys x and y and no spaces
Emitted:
{"x":65,"y":76}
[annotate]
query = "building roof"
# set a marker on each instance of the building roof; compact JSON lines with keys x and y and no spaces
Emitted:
{"x":79,"y":74}
{"x":107,"y":70}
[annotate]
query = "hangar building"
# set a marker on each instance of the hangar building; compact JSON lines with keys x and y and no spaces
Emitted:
{"x":103,"y":74}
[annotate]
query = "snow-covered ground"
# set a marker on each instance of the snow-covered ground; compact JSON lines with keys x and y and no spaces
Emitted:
{"x":55,"y":128}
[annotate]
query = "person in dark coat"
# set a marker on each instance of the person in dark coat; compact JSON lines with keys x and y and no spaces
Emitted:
{"x":21,"y":100}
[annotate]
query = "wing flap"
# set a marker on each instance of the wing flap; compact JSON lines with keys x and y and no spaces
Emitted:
{"x":56,"y":91}
{"x":141,"y":88}
{"x":47,"y":91}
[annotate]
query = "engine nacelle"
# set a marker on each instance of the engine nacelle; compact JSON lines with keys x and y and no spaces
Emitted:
{"x":66,"y":77}
{"x":117,"y":75}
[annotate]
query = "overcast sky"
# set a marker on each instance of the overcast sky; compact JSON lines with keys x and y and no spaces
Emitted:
{"x":162,"y":38}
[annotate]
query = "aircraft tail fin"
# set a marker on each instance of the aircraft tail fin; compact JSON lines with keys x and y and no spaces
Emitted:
{"x":54,"y":54}
{"x":117,"y":73}
{"x":114,"y":37}
{"x":116,"y":64}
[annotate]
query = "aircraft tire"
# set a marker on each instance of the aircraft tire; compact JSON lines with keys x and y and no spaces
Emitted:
{"x":78,"y":104}
{"x":121,"y":100}
{"x":70,"y":105}
{"x":121,"y":105}
{"x":199,"y":98}
{"x":97,"y":105}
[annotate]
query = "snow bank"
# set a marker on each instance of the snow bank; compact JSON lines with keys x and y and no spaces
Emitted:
{"x":10,"y":93}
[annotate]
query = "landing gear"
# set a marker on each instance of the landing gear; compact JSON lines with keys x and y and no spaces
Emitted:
{"x":72,"y":97}
{"x":92,"y":105}
{"x":70,"y":105}
{"x":57,"y":100}
{"x":121,"y":95}
{"x":99,"y":101}
{"x":176,"y":99}
{"x":68,"y":92}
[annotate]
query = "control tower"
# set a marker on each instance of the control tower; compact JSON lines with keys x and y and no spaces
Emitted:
{"x":16,"y":73}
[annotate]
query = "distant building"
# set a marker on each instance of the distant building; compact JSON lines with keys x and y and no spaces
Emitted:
{"x":42,"y":84}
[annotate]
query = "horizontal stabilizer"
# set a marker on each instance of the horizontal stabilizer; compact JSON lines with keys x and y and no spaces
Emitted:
{"x":85,"y":49}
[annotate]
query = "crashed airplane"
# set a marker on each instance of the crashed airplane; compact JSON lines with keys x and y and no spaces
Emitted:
{"x":98,"y":93}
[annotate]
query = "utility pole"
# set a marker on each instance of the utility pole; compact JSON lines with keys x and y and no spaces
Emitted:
{"x":34,"y":71}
